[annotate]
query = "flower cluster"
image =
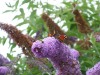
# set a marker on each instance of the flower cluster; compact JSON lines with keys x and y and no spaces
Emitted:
{"x":3,"y":69}
{"x":94,"y":70}
{"x":97,"y":38}
{"x":63,"y":58}
{"x":22,"y":40}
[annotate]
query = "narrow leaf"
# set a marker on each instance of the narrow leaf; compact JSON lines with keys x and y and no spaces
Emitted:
{"x":25,"y":1}
{"x":22,"y":12}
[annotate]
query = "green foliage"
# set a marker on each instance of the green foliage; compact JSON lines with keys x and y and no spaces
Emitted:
{"x":3,"y":40}
{"x":90,"y":10}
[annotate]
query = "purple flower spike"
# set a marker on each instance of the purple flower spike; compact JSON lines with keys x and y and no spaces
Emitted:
{"x":4,"y":70}
{"x":3,"y":60}
{"x":75,"y":53}
{"x":63,"y":58}
{"x":94,"y":70}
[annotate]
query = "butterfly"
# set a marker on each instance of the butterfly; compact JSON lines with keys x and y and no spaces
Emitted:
{"x":60,"y":37}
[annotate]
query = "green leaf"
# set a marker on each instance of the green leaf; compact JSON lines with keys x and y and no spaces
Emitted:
{"x":29,"y":29}
{"x":68,"y":4}
{"x":17,"y":17}
{"x":4,"y":40}
{"x":0,"y":39}
{"x":25,"y":1}
{"x":22,"y":23}
{"x":22,"y":12}
{"x":8,"y":11}
{"x":12,"y":46}
{"x":16,"y":4}
{"x":31,"y":5}
{"x":48,"y":6}
{"x":10,"y":56}
{"x":92,"y":39}
{"x":33,"y":16}
{"x":14,"y":7}
{"x":9,"y":5}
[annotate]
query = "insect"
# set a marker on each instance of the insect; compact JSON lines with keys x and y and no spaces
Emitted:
{"x":60,"y":37}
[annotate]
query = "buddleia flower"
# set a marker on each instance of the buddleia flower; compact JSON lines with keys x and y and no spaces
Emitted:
{"x":94,"y":70}
{"x":3,"y":60}
{"x":63,"y":58}
{"x":4,"y":70}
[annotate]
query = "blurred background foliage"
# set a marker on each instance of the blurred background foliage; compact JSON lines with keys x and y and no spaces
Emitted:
{"x":30,"y":18}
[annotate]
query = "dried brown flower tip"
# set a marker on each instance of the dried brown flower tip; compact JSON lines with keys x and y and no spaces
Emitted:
{"x":82,"y":25}
{"x":55,"y":30}
{"x":23,"y":41}
{"x":85,"y":44}
{"x":97,"y":33}
{"x":53,"y":27}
